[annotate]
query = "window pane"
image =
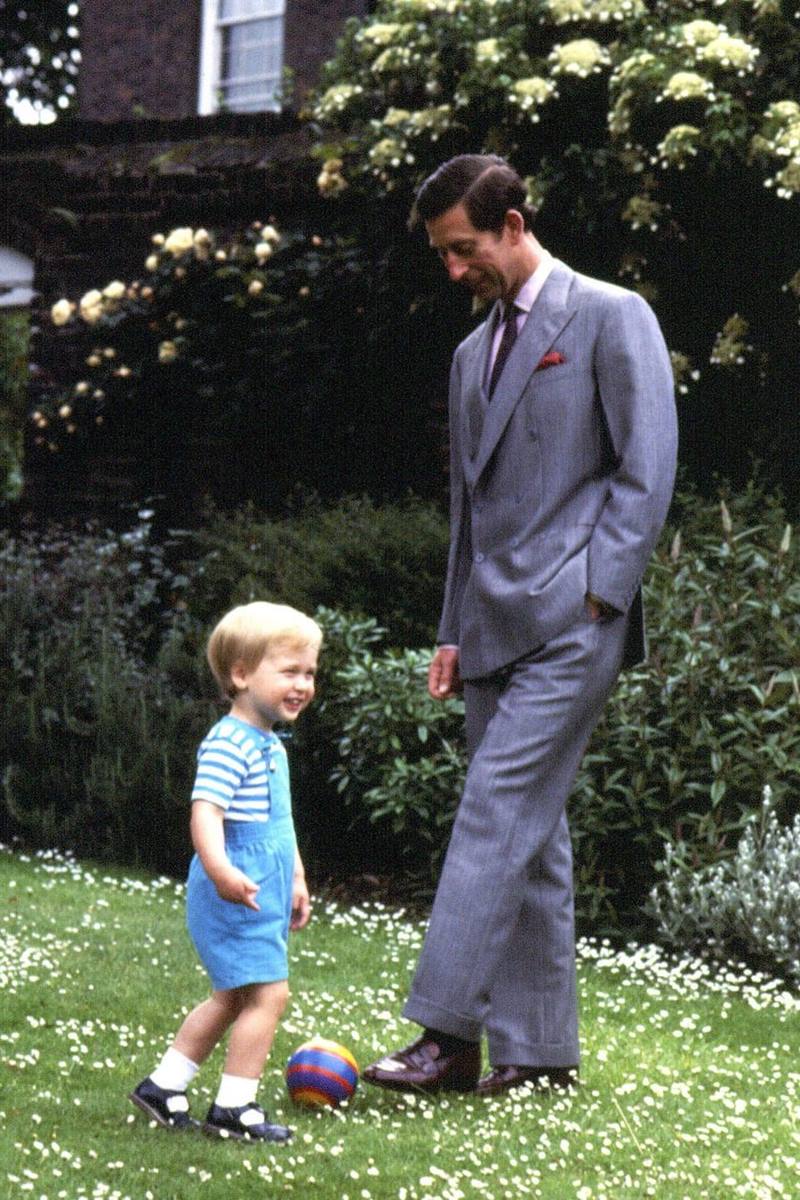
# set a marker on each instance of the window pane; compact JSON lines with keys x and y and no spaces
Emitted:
{"x":252,"y":59}
{"x":231,"y":10}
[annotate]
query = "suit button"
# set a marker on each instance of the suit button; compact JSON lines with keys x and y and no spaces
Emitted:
{"x":532,"y":434}
{"x":479,"y":557}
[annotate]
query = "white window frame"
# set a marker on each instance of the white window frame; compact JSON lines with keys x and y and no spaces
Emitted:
{"x":211,"y":56}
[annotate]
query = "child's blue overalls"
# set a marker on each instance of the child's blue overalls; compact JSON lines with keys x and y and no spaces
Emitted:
{"x":237,"y":945}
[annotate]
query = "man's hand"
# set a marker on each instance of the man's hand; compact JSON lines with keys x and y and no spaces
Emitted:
{"x":444,"y":680}
{"x":599,"y":610}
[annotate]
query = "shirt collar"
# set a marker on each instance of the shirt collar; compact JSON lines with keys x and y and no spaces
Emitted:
{"x":530,"y":289}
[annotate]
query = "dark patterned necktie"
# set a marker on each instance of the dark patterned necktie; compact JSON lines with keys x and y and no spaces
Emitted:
{"x":506,"y":345}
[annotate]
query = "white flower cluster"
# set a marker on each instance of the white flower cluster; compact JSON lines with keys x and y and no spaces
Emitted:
{"x":490,"y":50}
{"x":678,"y":146}
{"x":687,"y":85}
{"x":563,"y":11}
{"x":382,"y":33}
{"x":732,"y":52}
{"x":388,"y":152}
{"x":529,"y":94}
{"x":421,"y":7}
{"x":633,"y":66}
{"x":393,"y":58}
{"x":582,"y":57}
{"x":335,"y":100}
{"x":780,"y":139}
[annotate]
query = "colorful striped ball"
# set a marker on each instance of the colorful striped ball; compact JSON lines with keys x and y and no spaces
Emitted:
{"x":321,"y":1073}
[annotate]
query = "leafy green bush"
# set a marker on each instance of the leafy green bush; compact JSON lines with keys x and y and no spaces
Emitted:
{"x":685,"y":739}
{"x":401,"y":758}
{"x":745,"y":907}
{"x":102,"y":703}
{"x":386,"y":561}
{"x":107,"y":694}
{"x":688,"y":738}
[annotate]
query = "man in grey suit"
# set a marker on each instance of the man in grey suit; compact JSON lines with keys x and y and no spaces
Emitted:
{"x":563,"y":445}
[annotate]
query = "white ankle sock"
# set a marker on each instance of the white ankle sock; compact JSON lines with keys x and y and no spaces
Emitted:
{"x":175,"y":1071}
{"x":235,"y":1091}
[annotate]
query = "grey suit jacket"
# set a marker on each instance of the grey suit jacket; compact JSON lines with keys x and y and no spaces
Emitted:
{"x":566,"y":486}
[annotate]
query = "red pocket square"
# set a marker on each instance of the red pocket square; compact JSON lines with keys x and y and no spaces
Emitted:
{"x":551,"y":359}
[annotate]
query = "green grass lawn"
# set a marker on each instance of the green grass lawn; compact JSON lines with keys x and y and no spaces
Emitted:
{"x":691,"y":1077}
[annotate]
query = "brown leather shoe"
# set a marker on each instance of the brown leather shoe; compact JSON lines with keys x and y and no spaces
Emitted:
{"x":502,"y":1079}
{"x":422,"y":1067}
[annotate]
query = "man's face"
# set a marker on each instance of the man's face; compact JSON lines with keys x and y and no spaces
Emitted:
{"x":485,"y":262}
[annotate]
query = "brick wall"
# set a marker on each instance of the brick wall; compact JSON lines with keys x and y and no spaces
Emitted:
{"x":143,"y":58}
{"x":138,"y":56}
{"x":311,"y":32}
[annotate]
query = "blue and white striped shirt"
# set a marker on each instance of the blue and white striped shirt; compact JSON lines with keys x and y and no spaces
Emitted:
{"x":234,"y":762}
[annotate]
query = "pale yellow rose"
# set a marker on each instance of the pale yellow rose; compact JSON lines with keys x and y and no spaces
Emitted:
{"x":255,"y":287}
{"x":263,"y":251}
{"x":61,"y":312}
{"x":65,"y":410}
{"x":167,"y":352}
{"x":178,"y":241}
{"x":114,"y":290}
{"x":158,"y":239}
{"x":91,"y":306}
{"x":151,"y":262}
{"x":270,"y":234}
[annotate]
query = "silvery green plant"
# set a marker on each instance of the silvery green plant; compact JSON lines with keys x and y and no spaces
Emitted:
{"x":745,"y":906}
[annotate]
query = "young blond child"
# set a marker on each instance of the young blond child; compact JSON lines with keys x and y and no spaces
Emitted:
{"x":246,"y":886}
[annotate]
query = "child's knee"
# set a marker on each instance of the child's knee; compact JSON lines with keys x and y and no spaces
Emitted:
{"x":281,"y":996}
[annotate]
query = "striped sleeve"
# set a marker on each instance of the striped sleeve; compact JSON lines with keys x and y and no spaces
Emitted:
{"x":223,"y":764}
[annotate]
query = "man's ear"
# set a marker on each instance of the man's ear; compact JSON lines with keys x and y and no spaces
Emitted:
{"x":514,"y":224}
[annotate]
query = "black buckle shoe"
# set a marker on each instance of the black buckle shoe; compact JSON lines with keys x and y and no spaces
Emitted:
{"x":168,"y":1109}
{"x":246,"y":1123}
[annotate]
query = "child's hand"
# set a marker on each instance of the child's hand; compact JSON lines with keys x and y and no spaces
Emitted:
{"x":233,"y":885}
{"x":301,"y":903}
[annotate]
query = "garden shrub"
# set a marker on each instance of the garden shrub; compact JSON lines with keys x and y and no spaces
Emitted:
{"x":100,"y":704}
{"x":688,"y":737}
{"x":685,"y":739}
{"x":242,"y":362}
{"x":386,"y":561}
{"x":107,"y":695}
{"x":745,"y":907}
{"x":401,"y":757}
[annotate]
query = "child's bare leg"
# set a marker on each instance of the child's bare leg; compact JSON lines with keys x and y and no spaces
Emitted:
{"x":261,"y":1007}
{"x":207,"y":1024}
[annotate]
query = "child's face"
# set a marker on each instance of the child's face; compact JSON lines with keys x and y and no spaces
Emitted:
{"x":278,"y":689}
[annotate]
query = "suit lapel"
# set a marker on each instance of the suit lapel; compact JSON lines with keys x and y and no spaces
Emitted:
{"x":550,"y":313}
{"x":475,"y":398}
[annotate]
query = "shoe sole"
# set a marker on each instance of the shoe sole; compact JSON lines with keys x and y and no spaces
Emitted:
{"x":401,"y":1085}
{"x":214,"y":1131}
{"x":156,"y":1116}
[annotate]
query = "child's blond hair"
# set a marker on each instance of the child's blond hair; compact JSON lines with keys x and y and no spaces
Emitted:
{"x":250,"y":631}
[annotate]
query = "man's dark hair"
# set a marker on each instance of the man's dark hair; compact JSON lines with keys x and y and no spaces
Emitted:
{"x":484,"y":183}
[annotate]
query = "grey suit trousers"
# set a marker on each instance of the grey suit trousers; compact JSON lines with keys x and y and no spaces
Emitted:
{"x":499,"y":953}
